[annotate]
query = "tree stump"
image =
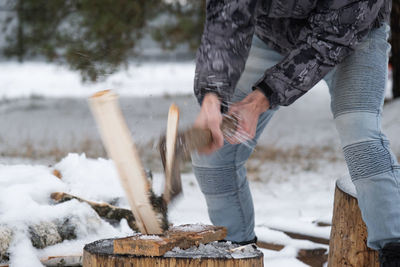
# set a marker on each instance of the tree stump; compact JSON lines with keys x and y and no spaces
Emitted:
{"x":348,"y":241}
{"x":187,"y":245}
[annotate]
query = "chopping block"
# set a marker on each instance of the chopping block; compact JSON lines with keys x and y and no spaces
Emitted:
{"x":185,"y":245}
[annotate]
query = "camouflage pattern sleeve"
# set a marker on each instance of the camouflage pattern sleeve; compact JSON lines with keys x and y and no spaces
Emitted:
{"x":333,"y":31}
{"x":224,"y":47}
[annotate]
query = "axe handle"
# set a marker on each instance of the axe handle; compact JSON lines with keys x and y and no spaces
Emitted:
{"x":197,"y":138}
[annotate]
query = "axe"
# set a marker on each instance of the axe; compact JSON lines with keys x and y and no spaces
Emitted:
{"x":175,"y":146}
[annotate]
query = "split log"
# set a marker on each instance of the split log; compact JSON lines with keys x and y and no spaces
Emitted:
{"x":183,"y":237}
{"x":121,"y":148}
{"x":348,"y":241}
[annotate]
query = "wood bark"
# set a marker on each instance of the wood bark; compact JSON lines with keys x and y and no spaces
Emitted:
{"x":348,"y":241}
{"x":395,"y":42}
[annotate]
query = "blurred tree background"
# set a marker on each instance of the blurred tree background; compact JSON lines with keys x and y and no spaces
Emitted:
{"x":184,"y":26}
{"x":96,"y":37}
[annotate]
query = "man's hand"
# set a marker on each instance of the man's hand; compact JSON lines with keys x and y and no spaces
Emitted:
{"x":247,"y":112}
{"x":210,"y":117}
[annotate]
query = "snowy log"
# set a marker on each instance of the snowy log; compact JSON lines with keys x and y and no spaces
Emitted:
{"x":114,"y":213}
{"x":42,"y":235}
{"x":6,"y":235}
{"x":348,"y":241}
{"x":104,"y":210}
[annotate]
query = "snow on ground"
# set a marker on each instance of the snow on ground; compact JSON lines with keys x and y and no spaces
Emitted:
{"x":49,"y":80}
{"x":25,"y":192}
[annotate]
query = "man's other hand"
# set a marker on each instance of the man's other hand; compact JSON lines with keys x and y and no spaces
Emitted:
{"x":210,"y":117}
{"x":247,"y":112}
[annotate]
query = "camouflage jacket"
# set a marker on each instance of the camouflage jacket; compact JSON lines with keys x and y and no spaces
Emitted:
{"x":314,"y":36}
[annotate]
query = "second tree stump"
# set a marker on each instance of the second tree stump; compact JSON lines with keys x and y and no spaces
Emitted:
{"x":348,"y":241}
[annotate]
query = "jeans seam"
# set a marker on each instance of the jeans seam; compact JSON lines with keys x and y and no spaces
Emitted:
{"x":363,"y":142}
{"x":384,"y":145}
{"x":387,"y":150}
{"x":373,"y":174}
{"x":337,"y":114}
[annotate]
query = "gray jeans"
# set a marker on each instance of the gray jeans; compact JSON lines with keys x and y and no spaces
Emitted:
{"x":357,"y":92}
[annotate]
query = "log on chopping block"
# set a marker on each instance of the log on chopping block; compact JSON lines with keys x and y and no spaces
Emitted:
{"x":122,"y":150}
{"x":348,"y":241}
{"x":183,"y":237}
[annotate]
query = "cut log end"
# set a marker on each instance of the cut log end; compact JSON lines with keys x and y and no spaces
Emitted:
{"x":102,"y":93}
{"x":57,"y":174}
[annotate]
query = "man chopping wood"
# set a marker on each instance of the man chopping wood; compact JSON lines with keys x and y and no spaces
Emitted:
{"x":257,"y":55}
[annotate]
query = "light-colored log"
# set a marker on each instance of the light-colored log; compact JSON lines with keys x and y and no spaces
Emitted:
{"x":122,"y":150}
{"x":347,"y":246}
{"x":181,"y":236}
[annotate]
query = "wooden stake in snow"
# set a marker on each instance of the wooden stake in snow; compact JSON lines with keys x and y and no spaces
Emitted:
{"x":122,"y":150}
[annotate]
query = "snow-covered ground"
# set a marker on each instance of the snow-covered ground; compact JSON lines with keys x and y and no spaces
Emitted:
{"x":25,"y":200}
{"x":139,"y":79}
{"x":292,"y":172}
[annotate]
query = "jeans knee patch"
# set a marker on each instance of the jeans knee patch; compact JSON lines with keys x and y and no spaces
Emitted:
{"x":216,"y":180}
{"x":367,"y":158}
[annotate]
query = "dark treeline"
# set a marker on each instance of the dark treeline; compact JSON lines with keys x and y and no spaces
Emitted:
{"x":96,"y":37}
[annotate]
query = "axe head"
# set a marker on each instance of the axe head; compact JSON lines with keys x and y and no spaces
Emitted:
{"x":175,"y":146}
